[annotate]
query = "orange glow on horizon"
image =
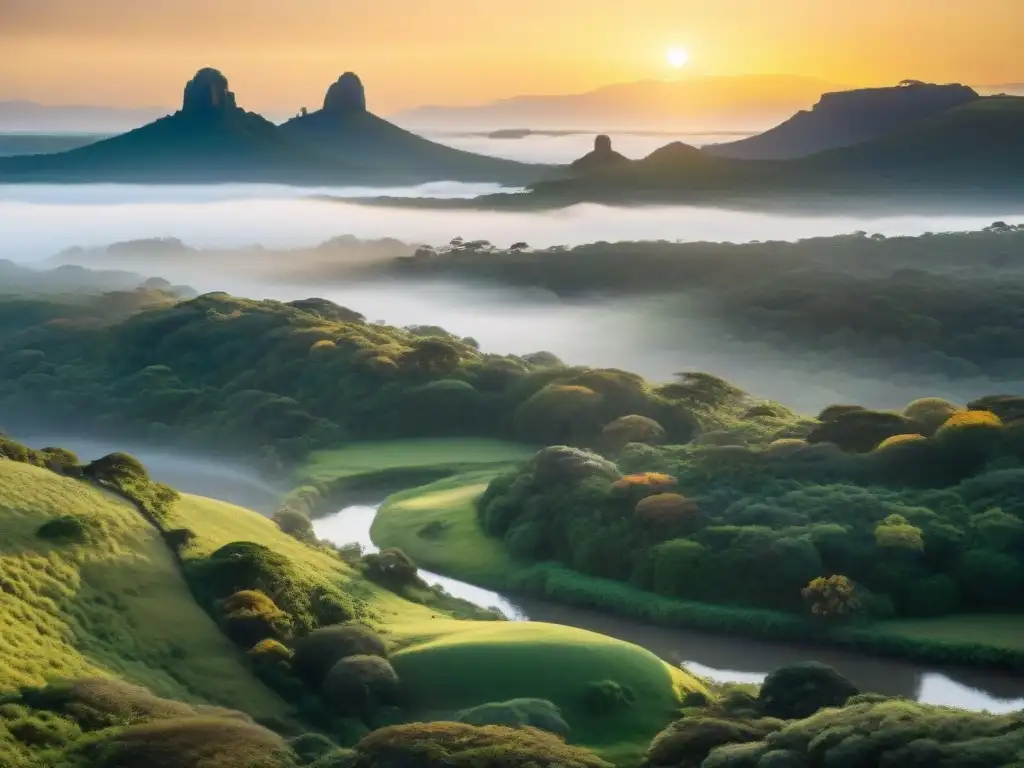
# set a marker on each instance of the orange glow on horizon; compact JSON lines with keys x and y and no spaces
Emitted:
{"x":282,"y":56}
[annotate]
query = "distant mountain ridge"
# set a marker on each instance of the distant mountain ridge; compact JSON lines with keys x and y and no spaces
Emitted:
{"x":32,"y":117}
{"x":845,"y":118}
{"x":211,"y":139}
{"x":691,"y":104}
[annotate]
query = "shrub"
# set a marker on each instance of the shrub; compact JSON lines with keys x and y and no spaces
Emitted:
{"x":799,"y":690}
{"x":641,"y":484}
{"x":665,"y":509}
{"x":391,"y":568}
{"x":785,"y":447}
{"x":971,"y":419}
{"x":560,"y":464}
{"x":632,"y":429}
{"x":859,"y":431}
{"x":559,"y":413}
{"x":898,"y":440}
{"x":832,"y":597}
{"x":116,"y":468}
{"x":61,"y":461}
{"x":458,"y":745}
{"x":357,"y":685}
{"x":295,"y":524}
{"x":331,"y":606}
{"x":517,"y":713}
{"x":95,"y":703}
{"x":270,"y":653}
{"x":602,"y":697}
{"x":310,"y":747}
{"x":930,"y":412}
{"x":65,"y":528}
{"x":687,"y":742}
{"x":179,"y":538}
{"x":895,"y":532}
{"x":320,"y":650}
{"x":207,"y":742}
{"x":339,"y":758}
{"x":250,"y":616}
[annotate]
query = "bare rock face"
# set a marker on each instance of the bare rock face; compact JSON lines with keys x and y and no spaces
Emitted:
{"x":345,"y":96}
{"x":207,"y":92}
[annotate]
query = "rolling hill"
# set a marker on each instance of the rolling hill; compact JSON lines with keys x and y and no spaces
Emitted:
{"x":344,"y":129}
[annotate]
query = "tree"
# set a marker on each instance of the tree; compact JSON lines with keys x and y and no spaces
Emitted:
{"x":632,"y":429}
{"x":896,"y":532}
{"x":431,"y":357}
{"x":519,"y":247}
{"x":799,"y":690}
{"x":832,"y":597}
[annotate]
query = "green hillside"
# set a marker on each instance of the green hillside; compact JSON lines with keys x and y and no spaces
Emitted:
{"x":115,"y":605}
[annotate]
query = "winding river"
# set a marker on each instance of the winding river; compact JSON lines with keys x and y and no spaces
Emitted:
{"x":718,"y":657}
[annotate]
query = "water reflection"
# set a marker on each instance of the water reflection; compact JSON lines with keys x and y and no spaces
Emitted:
{"x":352,"y":525}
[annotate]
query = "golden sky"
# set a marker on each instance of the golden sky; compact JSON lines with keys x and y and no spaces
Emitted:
{"x":282,"y":54}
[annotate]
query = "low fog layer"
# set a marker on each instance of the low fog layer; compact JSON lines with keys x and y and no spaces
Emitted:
{"x":203,"y":476}
{"x":37,"y":221}
{"x":559,"y":149}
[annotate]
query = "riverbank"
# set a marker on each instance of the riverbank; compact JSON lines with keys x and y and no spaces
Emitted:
{"x":436,"y":526}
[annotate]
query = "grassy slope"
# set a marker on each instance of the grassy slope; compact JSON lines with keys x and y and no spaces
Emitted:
{"x":1003,"y":631}
{"x":454,"y":665}
{"x":461,"y":549}
{"x":217,"y":523}
{"x":368,"y":457}
{"x":113,"y":606}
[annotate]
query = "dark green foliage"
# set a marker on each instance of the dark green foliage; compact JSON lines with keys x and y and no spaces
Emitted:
{"x":310,"y":747}
{"x":458,"y":745}
{"x":276,"y":380}
{"x":339,"y":758}
{"x":687,"y":742}
{"x":393,"y":569}
{"x":603,"y":697}
{"x":179,"y":538}
{"x":320,"y":650}
{"x":518,"y":713}
{"x":886,"y":734}
{"x":250,"y":616}
{"x":65,"y":528}
{"x":97,"y":703}
{"x":358,"y":685}
{"x":860,"y":430}
{"x":799,"y":690}
{"x":295,"y":524}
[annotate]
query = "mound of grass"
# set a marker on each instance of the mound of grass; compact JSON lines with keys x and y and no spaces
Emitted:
{"x":115,"y":606}
{"x":518,"y":713}
{"x":320,"y":650}
{"x":449,"y":666}
{"x":369,"y":457}
{"x":436,"y":526}
{"x":465,"y":746}
{"x":214,"y":742}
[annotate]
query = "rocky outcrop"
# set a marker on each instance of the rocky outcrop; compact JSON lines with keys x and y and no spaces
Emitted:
{"x":207,"y":92}
{"x":848,"y":117}
{"x":600,"y":158}
{"x":345,"y":96}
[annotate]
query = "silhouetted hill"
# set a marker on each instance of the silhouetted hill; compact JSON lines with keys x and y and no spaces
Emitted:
{"x":601,"y":158}
{"x":209,"y":139}
{"x":968,"y":155}
{"x":846,"y":118}
{"x":978,"y":142}
{"x":344,"y":129}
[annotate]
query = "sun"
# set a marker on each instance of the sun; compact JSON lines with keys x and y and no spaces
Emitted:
{"x":677,"y":57}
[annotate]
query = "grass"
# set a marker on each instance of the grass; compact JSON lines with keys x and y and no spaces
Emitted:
{"x":114,"y":605}
{"x":460,"y":548}
{"x":217,"y":523}
{"x":1004,"y":631}
{"x":451,"y":665}
{"x":375,"y":456}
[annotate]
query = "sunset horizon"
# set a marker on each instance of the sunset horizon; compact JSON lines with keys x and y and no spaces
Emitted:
{"x":111,"y":53}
